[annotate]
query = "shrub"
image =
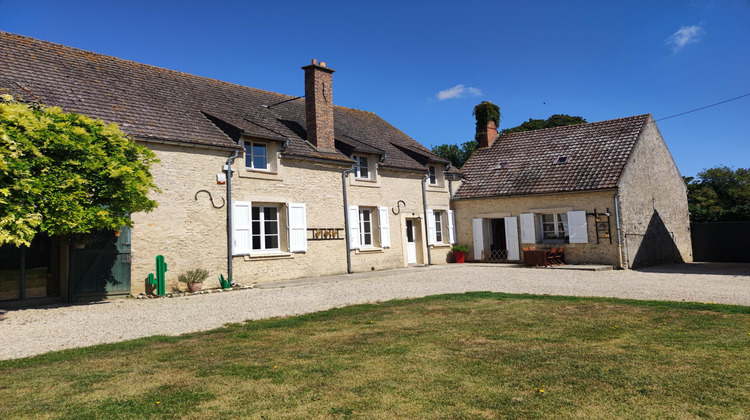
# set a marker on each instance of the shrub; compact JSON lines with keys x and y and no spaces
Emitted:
{"x":197,"y":275}
{"x":460,"y":248}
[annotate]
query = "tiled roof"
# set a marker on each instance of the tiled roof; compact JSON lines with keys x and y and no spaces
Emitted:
{"x":596,"y":156}
{"x":153,"y":103}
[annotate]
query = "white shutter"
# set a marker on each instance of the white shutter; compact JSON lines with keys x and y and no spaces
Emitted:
{"x":451,"y":228}
{"x":511,"y":238}
{"x":476,"y":225}
{"x":296,"y":213}
{"x":579,"y":233}
{"x":431,"y":237}
{"x":242,"y":227}
{"x":385,"y":227}
{"x":353,"y":227}
{"x":528,"y":228}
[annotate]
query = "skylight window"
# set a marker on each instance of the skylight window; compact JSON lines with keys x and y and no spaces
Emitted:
{"x":561,"y":159}
{"x":502,"y":165}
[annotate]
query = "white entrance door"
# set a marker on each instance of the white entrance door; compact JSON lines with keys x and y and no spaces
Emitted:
{"x":411,"y":245}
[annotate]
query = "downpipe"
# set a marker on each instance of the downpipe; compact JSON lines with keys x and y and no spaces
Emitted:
{"x":424,"y":209}
{"x":230,"y":225}
{"x":617,"y":224}
{"x":346,"y":220}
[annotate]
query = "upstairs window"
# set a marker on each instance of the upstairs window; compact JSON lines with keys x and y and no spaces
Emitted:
{"x":256,"y":156}
{"x":433,"y":174}
{"x":561,"y":159}
{"x":362,"y":167}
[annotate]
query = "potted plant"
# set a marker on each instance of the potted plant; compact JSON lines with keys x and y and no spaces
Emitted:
{"x":194,"y":279}
{"x":459,"y":251}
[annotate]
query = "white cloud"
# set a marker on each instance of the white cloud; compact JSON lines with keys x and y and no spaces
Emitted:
{"x":458,"y":91}
{"x":686,"y":35}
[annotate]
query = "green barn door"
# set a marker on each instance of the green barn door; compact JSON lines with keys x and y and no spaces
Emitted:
{"x":101,"y":267}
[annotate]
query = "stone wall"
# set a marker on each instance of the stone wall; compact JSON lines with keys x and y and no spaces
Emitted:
{"x":189,"y":233}
{"x":495,"y":208}
{"x":653,"y":204}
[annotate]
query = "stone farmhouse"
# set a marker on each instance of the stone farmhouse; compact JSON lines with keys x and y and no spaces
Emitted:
{"x":609,"y":192}
{"x":314,"y":188}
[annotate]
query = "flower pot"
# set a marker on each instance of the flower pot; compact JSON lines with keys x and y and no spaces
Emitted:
{"x":195,"y":287}
{"x":460,"y":256}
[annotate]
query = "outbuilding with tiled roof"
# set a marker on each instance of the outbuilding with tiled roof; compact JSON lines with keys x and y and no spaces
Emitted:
{"x":606,"y":192}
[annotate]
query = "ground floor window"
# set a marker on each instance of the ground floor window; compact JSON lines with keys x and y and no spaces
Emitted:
{"x":265,"y":228}
{"x":365,"y":227}
{"x":438,"y":226}
{"x":554,"y":226}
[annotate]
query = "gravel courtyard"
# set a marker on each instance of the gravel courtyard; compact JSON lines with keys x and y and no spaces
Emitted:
{"x":27,"y":332}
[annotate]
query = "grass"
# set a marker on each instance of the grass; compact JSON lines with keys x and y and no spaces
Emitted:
{"x":475,"y":355}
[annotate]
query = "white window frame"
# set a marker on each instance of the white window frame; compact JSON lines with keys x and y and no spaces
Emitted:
{"x":432,"y":171}
{"x":262,"y":224}
{"x":359,"y":159}
{"x":365,"y":227}
{"x":438,"y":215}
{"x":559,"y":232}
{"x":249,"y":153}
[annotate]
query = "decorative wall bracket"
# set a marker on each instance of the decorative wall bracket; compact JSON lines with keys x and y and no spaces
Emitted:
{"x":211,"y":198}
{"x":398,"y":205}
{"x":325,"y":234}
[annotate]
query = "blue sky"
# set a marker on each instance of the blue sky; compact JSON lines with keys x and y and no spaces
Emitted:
{"x":423,"y":66}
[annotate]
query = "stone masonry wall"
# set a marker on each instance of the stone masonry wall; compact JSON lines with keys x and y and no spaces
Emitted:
{"x":319,"y":187}
{"x":492,"y":208}
{"x":192,"y":234}
{"x":654,"y":208}
{"x":189,"y":233}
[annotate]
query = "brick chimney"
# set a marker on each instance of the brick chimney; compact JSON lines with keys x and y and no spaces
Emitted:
{"x":319,"y":105}
{"x":486,"y":140}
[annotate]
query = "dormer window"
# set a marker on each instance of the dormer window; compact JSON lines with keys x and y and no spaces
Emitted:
{"x":433,"y":174}
{"x":561,"y":159}
{"x":361,"y":167}
{"x":256,"y":155}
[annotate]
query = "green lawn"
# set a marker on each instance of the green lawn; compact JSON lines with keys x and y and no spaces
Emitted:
{"x":476,"y":355}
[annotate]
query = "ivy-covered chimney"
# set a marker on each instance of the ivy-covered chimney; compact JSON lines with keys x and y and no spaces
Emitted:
{"x":319,"y":105}
{"x":488,"y":120}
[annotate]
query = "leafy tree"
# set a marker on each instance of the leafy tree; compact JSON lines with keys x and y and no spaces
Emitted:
{"x":557,"y":120}
{"x":720,"y":194}
{"x":457,"y":155}
{"x":66,"y":174}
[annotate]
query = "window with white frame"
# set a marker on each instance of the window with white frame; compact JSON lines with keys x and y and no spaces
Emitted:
{"x":438,"y":226}
{"x":256,"y":155}
{"x":365,"y":227}
{"x":570,"y":227}
{"x":433,"y":174}
{"x":257,"y":228}
{"x":362,"y":167}
{"x":265,"y":228}
{"x":554,"y":225}
{"x":364,"y":222}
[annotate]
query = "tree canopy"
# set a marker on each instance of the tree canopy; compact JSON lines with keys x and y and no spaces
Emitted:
{"x":65,"y":174}
{"x":556,"y":120}
{"x":719,"y":194}
{"x":458,"y":155}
